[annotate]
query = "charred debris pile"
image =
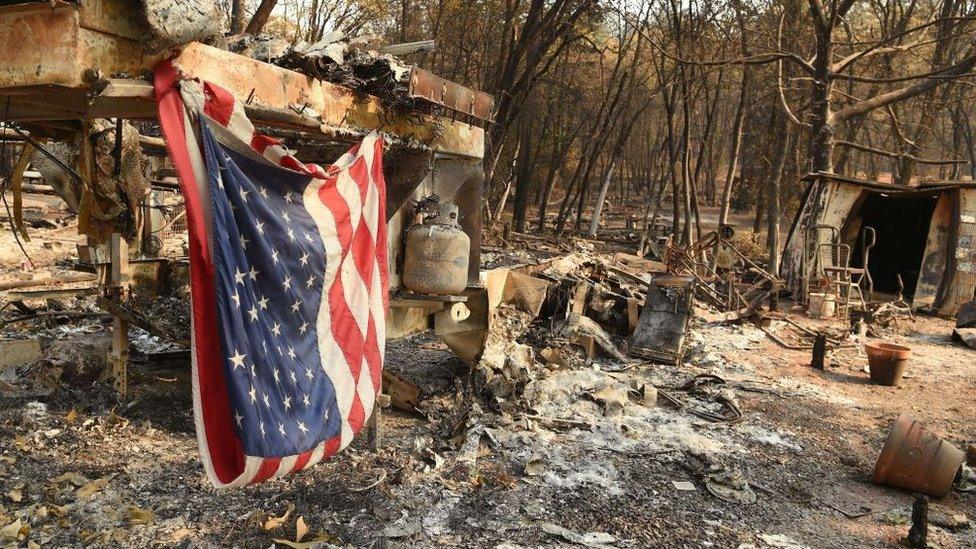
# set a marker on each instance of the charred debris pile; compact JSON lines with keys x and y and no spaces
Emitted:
{"x":361,"y":64}
{"x":635,"y":327}
{"x":584,"y":308}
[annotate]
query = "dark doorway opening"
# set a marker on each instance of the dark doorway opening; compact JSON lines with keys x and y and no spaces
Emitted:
{"x":902,"y":227}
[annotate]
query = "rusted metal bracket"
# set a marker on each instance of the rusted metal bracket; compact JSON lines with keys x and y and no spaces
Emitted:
{"x":451,"y":95}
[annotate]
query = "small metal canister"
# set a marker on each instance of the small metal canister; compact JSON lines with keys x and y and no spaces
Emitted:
{"x":436,"y":253}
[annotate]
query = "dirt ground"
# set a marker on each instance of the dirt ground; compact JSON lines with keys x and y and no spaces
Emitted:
{"x":568,"y":462}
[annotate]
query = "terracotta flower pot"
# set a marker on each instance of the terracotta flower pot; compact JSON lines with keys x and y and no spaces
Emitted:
{"x":917,"y":459}
{"x":887,"y":361}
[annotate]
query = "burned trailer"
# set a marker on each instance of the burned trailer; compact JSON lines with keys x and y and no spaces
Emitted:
{"x":912,"y":244}
{"x":65,"y":65}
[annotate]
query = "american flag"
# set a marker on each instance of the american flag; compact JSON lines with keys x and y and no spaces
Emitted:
{"x":288,"y":277}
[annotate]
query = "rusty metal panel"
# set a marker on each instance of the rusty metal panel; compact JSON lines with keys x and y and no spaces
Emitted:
{"x":112,"y":54}
{"x":663,"y":325}
{"x":45,"y":46}
{"x":60,"y":51}
{"x":39,"y":46}
{"x":451,"y":95}
{"x":341,"y":110}
{"x":115,"y":17}
{"x":935,"y":257}
{"x":962,"y":285}
{"x":29,"y":5}
{"x":841,"y":201}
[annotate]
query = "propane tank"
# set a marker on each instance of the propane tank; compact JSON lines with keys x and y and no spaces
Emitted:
{"x":436,"y":251}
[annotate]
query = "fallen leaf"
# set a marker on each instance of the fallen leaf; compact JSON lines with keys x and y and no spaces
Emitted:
{"x":535,"y":466}
{"x":435,"y":458}
{"x":14,"y":531}
{"x":276,"y":522}
{"x":90,"y":489}
{"x":301,"y":529}
{"x":74,"y":478}
{"x":21,"y":442}
{"x":71,"y":417}
{"x":179,"y":535}
{"x":33,"y":545}
{"x":138,"y":515}
{"x":16,"y":495}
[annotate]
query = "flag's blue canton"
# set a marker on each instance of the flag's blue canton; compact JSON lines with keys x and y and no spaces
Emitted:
{"x":269,"y":262}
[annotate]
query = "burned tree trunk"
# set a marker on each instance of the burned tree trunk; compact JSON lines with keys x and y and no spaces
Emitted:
{"x":556,"y":167}
{"x":261,"y":16}
{"x":775,"y":180}
{"x":237,"y":17}
{"x":822,"y":134}
{"x":738,"y":119}
{"x":523,"y":178}
{"x":615,"y":154}
{"x":601,"y":198}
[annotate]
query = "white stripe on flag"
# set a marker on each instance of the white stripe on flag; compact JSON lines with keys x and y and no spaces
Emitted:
{"x":333,"y":361}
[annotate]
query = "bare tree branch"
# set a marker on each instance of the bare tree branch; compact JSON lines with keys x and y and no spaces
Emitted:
{"x":890,"y":154}
{"x":779,"y":77}
{"x":957,"y":70}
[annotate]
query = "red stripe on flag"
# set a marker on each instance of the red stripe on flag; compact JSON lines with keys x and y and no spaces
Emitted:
{"x":360,"y":175}
{"x":374,"y":360}
{"x":380,"y":237}
{"x":218,"y":103}
{"x":301,"y":461}
{"x":267,"y":470}
{"x":329,"y":195}
{"x":345,"y":330}
{"x":292,"y":163}
{"x":332,"y":446}
{"x":261,"y":142}
{"x":357,"y":415}
{"x":226,"y":452}
{"x":364,"y":252}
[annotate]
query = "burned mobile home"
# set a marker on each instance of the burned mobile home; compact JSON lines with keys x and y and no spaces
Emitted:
{"x":73,"y":71}
{"x":916,"y":244}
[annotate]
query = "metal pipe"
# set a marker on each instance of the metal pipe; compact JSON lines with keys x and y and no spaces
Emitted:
{"x":865,"y":255}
